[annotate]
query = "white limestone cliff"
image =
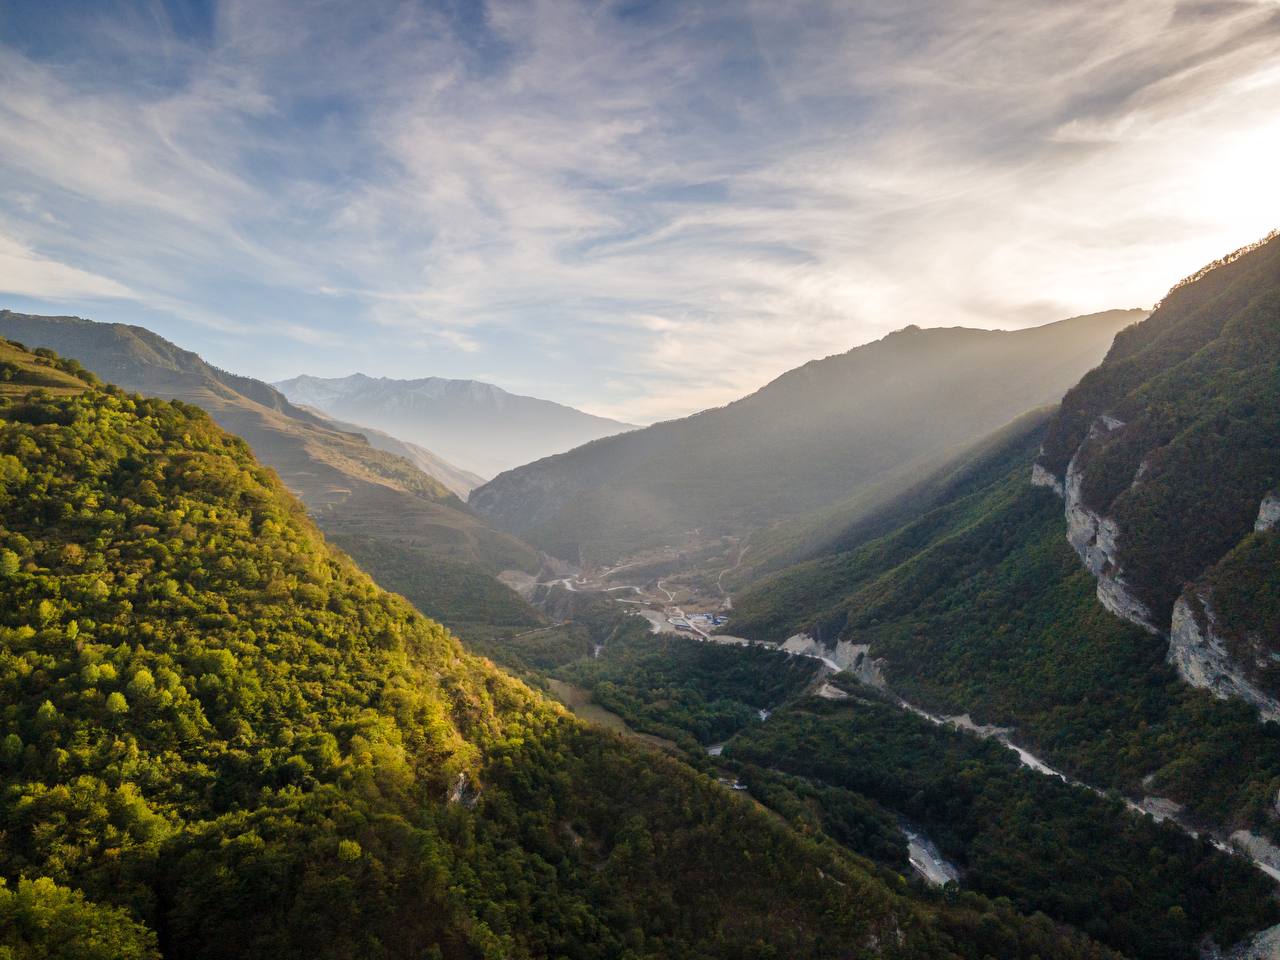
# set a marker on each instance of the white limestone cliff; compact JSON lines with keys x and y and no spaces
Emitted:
{"x":1201,"y":658}
{"x":1096,"y":538}
{"x":1268,"y":513}
{"x":1196,"y":647}
{"x":843,"y":656}
{"x":1040,"y":477}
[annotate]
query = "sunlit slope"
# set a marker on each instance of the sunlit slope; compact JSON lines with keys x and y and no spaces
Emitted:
{"x":816,"y":436}
{"x":350,"y":486}
{"x":459,"y":481}
{"x":218,"y":730}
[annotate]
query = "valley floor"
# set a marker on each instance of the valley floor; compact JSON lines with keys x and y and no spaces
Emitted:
{"x":688,"y":608}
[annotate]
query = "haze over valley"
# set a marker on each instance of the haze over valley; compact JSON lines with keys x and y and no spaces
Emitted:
{"x":813,"y":487}
{"x":477,"y":425}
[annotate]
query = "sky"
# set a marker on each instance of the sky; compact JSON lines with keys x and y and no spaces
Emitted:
{"x":638,"y":208}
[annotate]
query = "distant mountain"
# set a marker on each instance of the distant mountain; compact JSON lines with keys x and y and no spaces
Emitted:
{"x":460,"y":481}
{"x":352,"y":488}
{"x":814,"y":436}
{"x":475,"y":425}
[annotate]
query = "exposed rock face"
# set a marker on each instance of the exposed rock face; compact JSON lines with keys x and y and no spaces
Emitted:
{"x":1268,"y":513}
{"x":844,"y":656}
{"x":1040,"y":477}
{"x":1262,"y":946}
{"x":870,"y":671}
{"x":1196,"y":646}
{"x":463,"y":792}
{"x":1258,"y":849}
{"x":1096,"y":538}
{"x":1197,"y":651}
{"x":1161,"y":808}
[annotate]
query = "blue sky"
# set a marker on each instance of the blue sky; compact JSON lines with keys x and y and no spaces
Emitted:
{"x":641,"y":209}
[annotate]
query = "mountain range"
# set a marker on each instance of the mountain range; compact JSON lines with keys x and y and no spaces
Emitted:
{"x":222,"y":739}
{"x":816,"y":435}
{"x":1101,"y":580}
{"x":481,"y":427}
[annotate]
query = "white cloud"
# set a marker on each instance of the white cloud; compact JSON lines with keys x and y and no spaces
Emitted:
{"x":24,"y":272}
{"x":653,"y":214}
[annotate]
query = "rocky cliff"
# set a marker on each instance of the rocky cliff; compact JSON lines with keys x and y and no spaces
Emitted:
{"x":854,"y":658}
{"x":1201,"y":655}
{"x":1096,"y":538}
{"x":1268,"y":513}
{"x":1167,"y":456}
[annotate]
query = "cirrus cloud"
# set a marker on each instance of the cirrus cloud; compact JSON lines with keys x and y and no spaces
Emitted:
{"x":641,"y":209}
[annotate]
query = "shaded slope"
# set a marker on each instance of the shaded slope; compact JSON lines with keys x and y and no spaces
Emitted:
{"x":813,"y":437}
{"x":981,"y":604}
{"x":477,"y":425}
{"x":882,"y":507}
{"x":813,"y":595}
{"x":1168,"y":456}
{"x":217,"y":723}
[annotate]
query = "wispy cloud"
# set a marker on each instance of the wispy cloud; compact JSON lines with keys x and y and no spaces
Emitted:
{"x":651,"y":208}
{"x":23,"y":271}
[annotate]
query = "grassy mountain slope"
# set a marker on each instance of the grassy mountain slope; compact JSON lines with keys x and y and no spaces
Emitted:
{"x":814,"y":437}
{"x":816,"y":595}
{"x":477,"y":425}
{"x":883,"y":507}
{"x":217,"y":729}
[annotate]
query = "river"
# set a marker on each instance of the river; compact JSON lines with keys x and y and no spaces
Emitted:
{"x":1251,"y":846}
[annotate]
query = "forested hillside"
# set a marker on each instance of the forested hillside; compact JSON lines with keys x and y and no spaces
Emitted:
{"x":1142,"y":887}
{"x":220,"y":739}
{"x":1168,"y":456}
{"x":981,"y":603}
{"x":351,"y":487}
{"x":816,"y":436}
{"x":852,"y":765}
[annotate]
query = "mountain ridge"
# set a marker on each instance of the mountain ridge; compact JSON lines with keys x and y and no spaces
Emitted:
{"x":803,"y":441}
{"x":460,"y":482}
{"x":1128,"y":634}
{"x":235,"y":744}
{"x":352,"y":488}
{"x":476,"y":424}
